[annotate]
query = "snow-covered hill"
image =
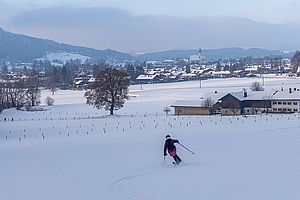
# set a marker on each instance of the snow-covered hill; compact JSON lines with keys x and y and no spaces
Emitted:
{"x":61,"y":58}
{"x":22,"y":48}
{"x":73,"y":151}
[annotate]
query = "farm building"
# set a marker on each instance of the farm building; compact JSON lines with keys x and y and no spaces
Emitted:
{"x":190,"y":108}
{"x":286,"y":102}
{"x":145,"y":78}
{"x":249,"y":103}
{"x":243,"y":102}
{"x":230,"y":105}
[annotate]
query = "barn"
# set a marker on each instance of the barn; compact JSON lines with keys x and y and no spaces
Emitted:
{"x":190,"y":108}
{"x":238,"y":103}
{"x":230,"y":105}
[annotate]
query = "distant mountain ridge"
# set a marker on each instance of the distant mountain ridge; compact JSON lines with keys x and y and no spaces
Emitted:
{"x":22,"y":48}
{"x":213,"y":54}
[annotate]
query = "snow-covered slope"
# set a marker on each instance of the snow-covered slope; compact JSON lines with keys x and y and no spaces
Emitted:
{"x":73,"y":151}
{"x":61,"y":58}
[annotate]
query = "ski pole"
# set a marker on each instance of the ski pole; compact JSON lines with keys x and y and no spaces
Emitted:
{"x":186,"y":148}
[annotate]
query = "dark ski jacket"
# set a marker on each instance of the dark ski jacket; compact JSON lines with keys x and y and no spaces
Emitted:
{"x":169,"y":145}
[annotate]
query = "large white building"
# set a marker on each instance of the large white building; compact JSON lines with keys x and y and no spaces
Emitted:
{"x":285,"y":102}
{"x":197,"y":59}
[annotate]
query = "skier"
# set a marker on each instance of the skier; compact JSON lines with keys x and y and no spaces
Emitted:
{"x":169,"y":145}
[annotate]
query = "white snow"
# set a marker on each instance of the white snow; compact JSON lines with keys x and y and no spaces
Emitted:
{"x":221,"y":73}
{"x":198,"y":103}
{"x":63,"y":57}
{"x":146,"y":77}
{"x":74,"y":151}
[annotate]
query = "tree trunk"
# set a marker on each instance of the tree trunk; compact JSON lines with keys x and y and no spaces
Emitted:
{"x":112,"y":106}
{"x":111,"y":109}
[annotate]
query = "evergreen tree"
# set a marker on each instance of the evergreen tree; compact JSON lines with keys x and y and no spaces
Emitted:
{"x":139,"y":70}
{"x":131,"y":71}
{"x":295,"y":60}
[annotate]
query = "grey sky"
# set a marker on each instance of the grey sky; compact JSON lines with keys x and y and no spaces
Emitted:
{"x":273,"y":11}
{"x":153,"y":25}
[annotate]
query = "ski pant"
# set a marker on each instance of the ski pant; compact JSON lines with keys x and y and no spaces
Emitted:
{"x":177,"y":159}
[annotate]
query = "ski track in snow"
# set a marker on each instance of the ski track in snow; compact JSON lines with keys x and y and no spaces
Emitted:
{"x":117,"y":185}
{"x":275,"y":132}
{"x":289,"y":136}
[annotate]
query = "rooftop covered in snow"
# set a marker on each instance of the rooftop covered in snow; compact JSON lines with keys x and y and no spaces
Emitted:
{"x":146,"y":77}
{"x":186,"y":103}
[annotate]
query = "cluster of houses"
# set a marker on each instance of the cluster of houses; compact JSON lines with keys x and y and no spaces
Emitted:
{"x":242,"y":103}
{"x":196,"y":67}
{"x":199,"y":71}
{"x":162,"y":75}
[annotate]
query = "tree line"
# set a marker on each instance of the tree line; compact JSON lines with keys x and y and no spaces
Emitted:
{"x":18,"y":94}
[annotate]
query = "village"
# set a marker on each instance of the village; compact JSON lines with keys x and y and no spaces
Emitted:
{"x":76,"y":75}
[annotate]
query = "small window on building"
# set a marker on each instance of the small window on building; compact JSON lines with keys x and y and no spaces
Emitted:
{"x":289,"y":103}
{"x":274,"y":109}
{"x":284,"y":109}
{"x":284,"y":103}
{"x":274,"y":102}
{"x":279,"y":109}
{"x":289,"y":110}
{"x":295,"y":110}
{"x":279,"y":103}
{"x":295,"y":103}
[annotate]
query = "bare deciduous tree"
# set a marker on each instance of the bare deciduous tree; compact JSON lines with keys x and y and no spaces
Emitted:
{"x":167,"y":110}
{"x":208,"y":102}
{"x":49,"y":101}
{"x":255,"y":86}
{"x":295,"y":60}
{"x":33,"y":95}
{"x":110,"y":90}
{"x":13,"y":94}
{"x":3,"y":100}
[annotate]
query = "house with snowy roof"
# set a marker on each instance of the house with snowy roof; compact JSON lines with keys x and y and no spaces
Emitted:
{"x":286,"y":102}
{"x":190,"y":108}
{"x":188,"y":76}
{"x":242,"y":102}
{"x":221,"y":74}
{"x":148,"y":78}
{"x":256,"y":102}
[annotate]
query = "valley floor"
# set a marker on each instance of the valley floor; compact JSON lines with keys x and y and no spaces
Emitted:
{"x":73,"y":151}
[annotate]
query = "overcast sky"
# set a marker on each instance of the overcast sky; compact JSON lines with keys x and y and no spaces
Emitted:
{"x":125,"y":24}
{"x":273,"y":11}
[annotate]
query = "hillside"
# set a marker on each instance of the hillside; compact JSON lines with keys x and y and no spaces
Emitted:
{"x":212,"y":54}
{"x":22,"y":48}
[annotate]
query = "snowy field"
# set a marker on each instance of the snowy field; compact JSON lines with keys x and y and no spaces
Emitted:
{"x":71,"y":151}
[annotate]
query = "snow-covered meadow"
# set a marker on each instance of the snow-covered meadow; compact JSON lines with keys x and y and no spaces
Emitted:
{"x":74,"y":151}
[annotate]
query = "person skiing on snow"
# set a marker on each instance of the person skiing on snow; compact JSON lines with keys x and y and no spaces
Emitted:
{"x":169,"y":145}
